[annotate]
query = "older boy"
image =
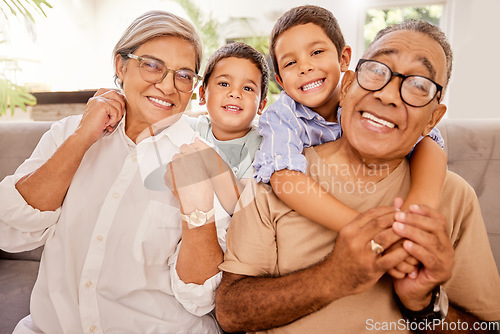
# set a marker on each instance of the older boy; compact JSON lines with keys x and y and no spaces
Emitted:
{"x":309,"y":54}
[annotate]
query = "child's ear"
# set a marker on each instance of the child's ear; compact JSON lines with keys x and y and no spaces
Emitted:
{"x":278,"y":80}
{"x":436,"y":116}
{"x":261,"y":106}
{"x":202,"y":95}
{"x":347,"y":80}
{"x":345,"y":58}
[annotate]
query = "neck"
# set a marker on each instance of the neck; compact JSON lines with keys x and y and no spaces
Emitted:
{"x":329,"y":110}
{"x":224,"y":135}
{"x":138,"y":129}
{"x":353,"y":166}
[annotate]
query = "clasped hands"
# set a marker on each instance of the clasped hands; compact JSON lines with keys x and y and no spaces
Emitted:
{"x":418,"y":252}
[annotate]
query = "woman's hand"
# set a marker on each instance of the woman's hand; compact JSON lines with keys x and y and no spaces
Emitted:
{"x":188,"y":179}
{"x":103,"y":111}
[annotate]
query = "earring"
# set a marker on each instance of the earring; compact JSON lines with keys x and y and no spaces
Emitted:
{"x":202,"y":100}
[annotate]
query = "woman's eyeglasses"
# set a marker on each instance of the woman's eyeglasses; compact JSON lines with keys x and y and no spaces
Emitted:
{"x":154,"y":71}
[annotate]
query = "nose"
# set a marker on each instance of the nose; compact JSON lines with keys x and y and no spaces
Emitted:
{"x":305,"y":66}
{"x":390,"y":93}
{"x":234,"y":93}
{"x":167,"y":85}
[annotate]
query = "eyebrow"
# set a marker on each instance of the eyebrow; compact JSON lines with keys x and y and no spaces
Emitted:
{"x":163,"y":63}
{"x":423,"y":60}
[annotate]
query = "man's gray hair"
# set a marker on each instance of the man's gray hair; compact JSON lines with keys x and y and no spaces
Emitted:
{"x":426,"y":28}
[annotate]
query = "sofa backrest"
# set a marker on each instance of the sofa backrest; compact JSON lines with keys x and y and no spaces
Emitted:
{"x":473,"y":148}
{"x":17,"y":142}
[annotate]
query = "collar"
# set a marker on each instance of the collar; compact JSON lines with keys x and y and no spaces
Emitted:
{"x":300,"y":110}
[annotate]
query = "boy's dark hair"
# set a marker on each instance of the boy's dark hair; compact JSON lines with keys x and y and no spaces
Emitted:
{"x":243,"y":51}
{"x":303,"y":15}
{"x":426,"y":28}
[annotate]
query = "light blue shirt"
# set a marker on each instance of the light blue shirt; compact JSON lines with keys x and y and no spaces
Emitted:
{"x":237,"y":153}
{"x":287,"y":127}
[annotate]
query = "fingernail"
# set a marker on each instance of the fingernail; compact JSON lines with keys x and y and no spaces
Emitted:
{"x":398,"y":226}
{"x":413,"y":274}
{"x":414,"y":207}
{"x":400,"y":216}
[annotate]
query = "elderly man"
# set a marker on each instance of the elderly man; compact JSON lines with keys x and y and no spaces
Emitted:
{"x":286,"y":274}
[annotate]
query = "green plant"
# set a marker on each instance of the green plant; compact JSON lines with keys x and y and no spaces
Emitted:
{"x":11,"y":94}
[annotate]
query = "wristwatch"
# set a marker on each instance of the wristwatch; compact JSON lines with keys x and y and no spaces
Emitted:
{"x":197,"y":218}
{"x":437,"y":309}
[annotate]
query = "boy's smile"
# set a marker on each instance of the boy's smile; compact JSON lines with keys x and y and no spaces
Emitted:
{"x":310,"y":69}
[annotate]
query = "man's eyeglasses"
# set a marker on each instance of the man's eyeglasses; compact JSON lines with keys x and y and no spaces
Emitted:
{"x":154,"y":71}
{"x":415,"y":90}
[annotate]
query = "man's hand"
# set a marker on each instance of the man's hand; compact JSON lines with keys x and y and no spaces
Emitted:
{"x":353,"y":256}
{"x":429,"y":243}
{"x":103,"y":111}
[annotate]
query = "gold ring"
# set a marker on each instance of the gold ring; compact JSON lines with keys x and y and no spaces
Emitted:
{"x":376,"y":248}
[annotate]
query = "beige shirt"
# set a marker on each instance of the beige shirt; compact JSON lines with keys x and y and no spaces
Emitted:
{"x":268,"y":238}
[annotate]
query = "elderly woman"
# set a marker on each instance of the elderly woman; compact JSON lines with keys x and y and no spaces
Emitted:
{"x":113,"y":261}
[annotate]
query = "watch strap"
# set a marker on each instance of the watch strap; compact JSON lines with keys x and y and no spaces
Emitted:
{"x":437,"y":309}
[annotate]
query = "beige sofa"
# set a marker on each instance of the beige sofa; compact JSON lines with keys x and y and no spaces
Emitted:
{"x":473,"y":148}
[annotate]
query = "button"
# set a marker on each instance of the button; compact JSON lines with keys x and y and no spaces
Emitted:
{"x":235,"y":169}
{"x":92,"y":328}
{"x":99,"y":238}
{"x":116,"y":195}
{"x":88,"y":284}
{"x":134,"y":158}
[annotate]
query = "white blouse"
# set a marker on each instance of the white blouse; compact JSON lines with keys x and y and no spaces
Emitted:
{"x":108,"y":264}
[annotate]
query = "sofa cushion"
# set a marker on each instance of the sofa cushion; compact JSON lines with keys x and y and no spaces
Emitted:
{"x":16,"y":281}
{"x":473,"y":148}
{"x":32,"y":255}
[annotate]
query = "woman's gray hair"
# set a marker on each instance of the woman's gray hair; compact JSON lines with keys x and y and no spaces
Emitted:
{"x":152,"y":25}
{"x":430,"y":30}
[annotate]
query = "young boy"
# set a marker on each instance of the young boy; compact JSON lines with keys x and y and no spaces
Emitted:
{"x":309,"y":53}
{"x":234,"y":89}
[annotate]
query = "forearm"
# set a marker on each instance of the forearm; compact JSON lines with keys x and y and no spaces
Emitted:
{"x":45,"y":188}
{"x":257,"y":303}
{"x":227,"y":188}
{"x":200,"y":254}
{"x":458,"y":321}
{"x":308,"y":198}
{"x":428,"y":170}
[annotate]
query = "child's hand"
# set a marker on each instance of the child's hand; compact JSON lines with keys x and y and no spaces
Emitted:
{"x":410,"y":265}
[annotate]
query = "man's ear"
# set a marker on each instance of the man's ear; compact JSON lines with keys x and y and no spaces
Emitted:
{"x":347,"y":80}
{"x":436,"y":116}
{"x":202,"y":95}
{"x":120,"y":67}
{"x":345,"y":58}
{"x":278,"y":80}
{"x":261,"y":106}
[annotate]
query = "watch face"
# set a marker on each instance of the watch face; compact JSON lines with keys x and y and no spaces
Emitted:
{"x":198,"y":218}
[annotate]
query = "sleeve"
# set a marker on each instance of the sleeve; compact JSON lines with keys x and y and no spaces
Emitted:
{"x":475,"y":282}
{"x":200,"y":299}
{"x":435,"y":135}
{"x":196,"y":299}
{"x":23,"y":227}
{"x":282,"y":145}
{"x":251,"y":237}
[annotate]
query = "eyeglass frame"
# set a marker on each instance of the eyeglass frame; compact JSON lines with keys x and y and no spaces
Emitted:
{"x":439,"y":88}
{"x":167,"y":71}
